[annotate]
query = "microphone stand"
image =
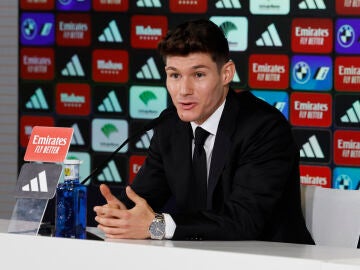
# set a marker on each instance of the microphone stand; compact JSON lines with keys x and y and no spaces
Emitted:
{"x":147,"y":127}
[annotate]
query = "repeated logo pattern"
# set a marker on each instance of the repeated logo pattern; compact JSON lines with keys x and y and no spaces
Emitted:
{"x":93,"y":66}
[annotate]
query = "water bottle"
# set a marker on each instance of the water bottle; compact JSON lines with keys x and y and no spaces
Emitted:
{"x":71,"y":203}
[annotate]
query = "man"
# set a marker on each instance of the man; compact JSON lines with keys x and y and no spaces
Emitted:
{"x":252,"y":180}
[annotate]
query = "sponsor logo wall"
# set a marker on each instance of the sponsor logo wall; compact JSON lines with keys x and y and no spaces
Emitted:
{"x":93,"y":66}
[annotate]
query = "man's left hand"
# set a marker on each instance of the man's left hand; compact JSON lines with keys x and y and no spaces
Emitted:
{"x":126,"y":223}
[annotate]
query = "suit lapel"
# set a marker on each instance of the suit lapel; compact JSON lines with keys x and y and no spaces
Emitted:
{"x":222,"y":145}
{"x":181,"y":173}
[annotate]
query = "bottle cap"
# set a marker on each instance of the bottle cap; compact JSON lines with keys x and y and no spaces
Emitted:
{"x":72,"y":161}
{"x":71,"y":169}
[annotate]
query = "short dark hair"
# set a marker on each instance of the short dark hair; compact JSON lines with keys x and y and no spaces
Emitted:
{"x":201,"y":35}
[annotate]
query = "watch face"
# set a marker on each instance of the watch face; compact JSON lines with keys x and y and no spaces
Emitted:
{"x":157,"y":230}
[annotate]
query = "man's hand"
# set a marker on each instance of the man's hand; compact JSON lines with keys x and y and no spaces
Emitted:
{"x":116,"y":221}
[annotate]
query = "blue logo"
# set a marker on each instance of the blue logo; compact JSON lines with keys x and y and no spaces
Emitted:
{"x":278,"y":99}
{"x":347,"y":36}
{"x":311,"y":73}
{"x":73,"y":5}
{"x":346,"y":178}
{"x":37,"y":29}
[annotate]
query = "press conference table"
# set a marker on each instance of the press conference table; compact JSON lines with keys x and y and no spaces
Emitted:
{"x":40,"y":252}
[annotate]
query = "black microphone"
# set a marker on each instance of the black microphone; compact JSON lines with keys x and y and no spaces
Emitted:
{"x":166,"y":113}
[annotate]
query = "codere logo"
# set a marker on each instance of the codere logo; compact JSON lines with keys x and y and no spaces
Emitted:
{"x":312,"y":4}
{"x":111,"y":33}
{"x":37,"y":101}
{"x":311,"y":149}
{"x":110,"y":173}
{"x":110,"y":103}
{"x":73,"y":68}
{"x":269,"y":38}
{"x":149,"y":70}
{"x":148,"y":3}
{"x":233,"y":4}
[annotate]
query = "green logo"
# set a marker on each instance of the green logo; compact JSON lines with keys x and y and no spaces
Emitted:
{"x":146,"y":96}
{"x":107,"y":129}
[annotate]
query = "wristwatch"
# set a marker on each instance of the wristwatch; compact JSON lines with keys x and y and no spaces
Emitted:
{"x":157,"y":227}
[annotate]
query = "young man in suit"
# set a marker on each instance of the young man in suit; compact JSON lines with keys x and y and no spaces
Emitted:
{"x":251,"y":189}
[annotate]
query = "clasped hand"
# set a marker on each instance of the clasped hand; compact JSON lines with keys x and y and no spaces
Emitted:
{"x":116,"y":221}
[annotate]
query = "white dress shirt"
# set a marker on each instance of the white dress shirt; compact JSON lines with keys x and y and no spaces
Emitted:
{"x":210,"y":125}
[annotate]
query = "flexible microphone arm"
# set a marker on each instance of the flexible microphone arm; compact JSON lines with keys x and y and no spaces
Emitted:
{"x":145,"y":128}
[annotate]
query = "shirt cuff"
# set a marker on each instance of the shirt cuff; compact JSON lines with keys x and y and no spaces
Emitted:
{"x":170,"y":226}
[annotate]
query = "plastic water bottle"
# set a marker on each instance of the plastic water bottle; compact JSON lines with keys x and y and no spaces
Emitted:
{"x":71,"y":203}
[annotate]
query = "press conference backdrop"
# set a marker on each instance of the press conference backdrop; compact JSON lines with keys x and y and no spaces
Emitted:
{"x":93,"y":66}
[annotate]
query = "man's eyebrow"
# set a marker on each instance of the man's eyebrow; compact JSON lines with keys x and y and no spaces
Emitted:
{"x":193,"y":67}
{"x":170,"y":68}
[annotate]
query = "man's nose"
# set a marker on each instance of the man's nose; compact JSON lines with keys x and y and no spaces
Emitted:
{"x":185,"y":87}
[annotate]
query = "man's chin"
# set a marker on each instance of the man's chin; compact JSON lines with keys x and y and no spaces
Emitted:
{"x":186,"y":116}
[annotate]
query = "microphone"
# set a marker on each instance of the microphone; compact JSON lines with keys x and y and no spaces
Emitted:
{"x":153,"y":123}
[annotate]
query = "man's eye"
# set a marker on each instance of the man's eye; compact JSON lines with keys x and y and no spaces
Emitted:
{"x":174,"y":75}
{"x":199,"y":75}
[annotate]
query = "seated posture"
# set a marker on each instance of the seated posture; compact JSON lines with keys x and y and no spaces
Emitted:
{"x":221,"y":165}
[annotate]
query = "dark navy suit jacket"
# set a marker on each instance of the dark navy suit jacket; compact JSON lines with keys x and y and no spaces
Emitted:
{"x":253,"y":185}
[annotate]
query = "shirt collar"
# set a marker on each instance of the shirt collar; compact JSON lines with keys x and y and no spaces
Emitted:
{"x":211,"y":124}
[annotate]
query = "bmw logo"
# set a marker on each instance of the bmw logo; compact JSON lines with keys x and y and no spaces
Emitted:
{"x":29,"y":28}
{"x":346,"y":35}
{"x":301,"y":72}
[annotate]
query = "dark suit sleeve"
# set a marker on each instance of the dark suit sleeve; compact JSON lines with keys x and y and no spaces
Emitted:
{"x":150,"y":182}
{"x":249,"y":200}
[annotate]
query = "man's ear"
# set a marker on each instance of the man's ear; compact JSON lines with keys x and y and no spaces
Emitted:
{"x":228,"y":72}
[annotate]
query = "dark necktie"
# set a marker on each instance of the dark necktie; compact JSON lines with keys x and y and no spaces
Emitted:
{"x":199,"y":168}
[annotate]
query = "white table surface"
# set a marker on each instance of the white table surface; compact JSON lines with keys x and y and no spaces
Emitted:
{"x":35,"y":251}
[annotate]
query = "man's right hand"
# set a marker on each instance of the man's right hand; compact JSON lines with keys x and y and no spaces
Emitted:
{"x":111,"y":200}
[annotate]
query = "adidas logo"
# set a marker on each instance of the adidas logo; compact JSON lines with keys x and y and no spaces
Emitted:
{"x":37,"y":101}
{"x":311,"y":149}
{"x":77,"y":138}
{"x":228,"y":4}
{"x":148,"y":3}
{"x":352,"y":114}
{"x":236,"y":78}
{"x":145,"y":139}
{"x":110,"y":174}
{"x":111,"y":33}
{"x":149,"y":70}
{"x":270,"y":37}
{"x":312,"y":4}
{"x":37,"y":184}
{"x":110,"y":103}
{"x":73,"y":68}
